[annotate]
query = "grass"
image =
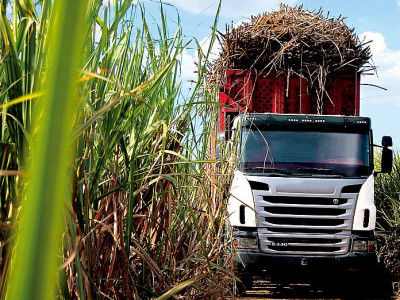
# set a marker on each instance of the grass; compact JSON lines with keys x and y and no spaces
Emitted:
{"x":138,"y":203}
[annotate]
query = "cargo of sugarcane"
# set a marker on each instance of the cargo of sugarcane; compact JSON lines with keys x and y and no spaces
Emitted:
{"x":295,"y":44}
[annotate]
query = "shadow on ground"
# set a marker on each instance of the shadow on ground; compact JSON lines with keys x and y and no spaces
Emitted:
{"x":264,"y":288}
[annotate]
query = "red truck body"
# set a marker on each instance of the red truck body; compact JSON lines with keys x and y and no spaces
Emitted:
{"x":262,"y":92}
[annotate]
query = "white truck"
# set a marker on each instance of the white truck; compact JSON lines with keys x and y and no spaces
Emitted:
{"x":302,"y":196}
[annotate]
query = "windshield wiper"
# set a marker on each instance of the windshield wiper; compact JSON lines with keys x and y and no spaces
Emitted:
{"x":320,"y":171}
{"x":269,"y":170}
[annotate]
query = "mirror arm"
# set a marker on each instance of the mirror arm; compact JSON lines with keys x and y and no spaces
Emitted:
{"x":376,"y":173}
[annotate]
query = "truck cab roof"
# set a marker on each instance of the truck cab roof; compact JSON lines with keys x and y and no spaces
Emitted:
{"x":272,"y":121}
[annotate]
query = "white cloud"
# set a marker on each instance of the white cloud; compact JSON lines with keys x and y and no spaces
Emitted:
{"x":398,"y":2}
{"x":190,"y":58}
{"x":230,"y":8}
{"x":388,"y":67}
{"x":214,"y":51}
{"x":188,"y":66}
{"x":377,"y":45}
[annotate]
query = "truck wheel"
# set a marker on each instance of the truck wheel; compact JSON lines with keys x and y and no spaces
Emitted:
{"x":382,"y":284}
{"x":245,"y":283}
{"x":374,"y":284}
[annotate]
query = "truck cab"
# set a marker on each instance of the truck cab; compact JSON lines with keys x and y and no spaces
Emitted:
{"x":302,"y":196}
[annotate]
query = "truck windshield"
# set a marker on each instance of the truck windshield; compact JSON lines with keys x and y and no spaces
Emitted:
{"x":305,"y":153}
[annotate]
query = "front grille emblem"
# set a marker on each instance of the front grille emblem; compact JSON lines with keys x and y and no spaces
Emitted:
{"x":335,"y":201}
{"x":304,"y":262}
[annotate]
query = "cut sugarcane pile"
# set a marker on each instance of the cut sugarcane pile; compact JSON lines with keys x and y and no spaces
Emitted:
{"x":292,"y":41}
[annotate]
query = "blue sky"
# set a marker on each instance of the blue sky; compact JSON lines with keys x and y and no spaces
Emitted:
{"x":378,"y":21}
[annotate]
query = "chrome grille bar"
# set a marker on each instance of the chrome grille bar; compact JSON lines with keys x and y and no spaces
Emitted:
{"x":304,"y":224}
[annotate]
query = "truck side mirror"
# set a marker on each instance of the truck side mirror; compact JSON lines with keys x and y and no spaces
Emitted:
{"x":387,"y":141}
{"x":387,"y":155}
{"x":387,"y":160}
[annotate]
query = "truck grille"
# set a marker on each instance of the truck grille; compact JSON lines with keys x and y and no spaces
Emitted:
{"x":304,"y":225}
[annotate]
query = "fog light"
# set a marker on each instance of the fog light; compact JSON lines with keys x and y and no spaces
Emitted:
{"x":245,"y":242}
{"x":359,"y":246}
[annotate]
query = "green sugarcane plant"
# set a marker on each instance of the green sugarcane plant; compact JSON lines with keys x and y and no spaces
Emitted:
{"x":144,"y":203}
{"x":387,"y":192}
{"x":40,"y":222}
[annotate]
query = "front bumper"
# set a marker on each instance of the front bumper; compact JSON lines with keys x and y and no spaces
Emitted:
{"x":250,"y":259}
{"x":257,"y":262}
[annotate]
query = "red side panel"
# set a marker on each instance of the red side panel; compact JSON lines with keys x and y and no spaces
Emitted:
{"x":297,"y":100}
{"x":262,"y":92}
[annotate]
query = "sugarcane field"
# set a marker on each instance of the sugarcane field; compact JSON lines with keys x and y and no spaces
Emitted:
{"x":204,"y":149}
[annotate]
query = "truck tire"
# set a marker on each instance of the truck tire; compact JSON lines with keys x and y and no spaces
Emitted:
{"x":372,"y":284}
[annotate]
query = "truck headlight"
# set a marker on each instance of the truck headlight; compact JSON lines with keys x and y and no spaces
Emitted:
{"x":363,"y":245}
{"x":241,"y":242}
{"x":359,"y":246}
